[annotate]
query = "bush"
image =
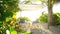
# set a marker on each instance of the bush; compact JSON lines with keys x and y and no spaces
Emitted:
{"x":24,"y":18}
{"x":44,"y":18}
{"x":57,"y":18}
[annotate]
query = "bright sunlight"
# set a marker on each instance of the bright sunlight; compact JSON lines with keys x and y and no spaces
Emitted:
{"x":34,"y":11}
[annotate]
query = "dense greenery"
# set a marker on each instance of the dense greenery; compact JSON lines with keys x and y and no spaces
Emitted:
{"x":57,"y":18}
{"x":7,"y":9}
{"x":44,"y":18}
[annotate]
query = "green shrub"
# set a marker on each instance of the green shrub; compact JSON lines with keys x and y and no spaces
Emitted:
{"x":57,"y":18}
{"x":44,"y":18}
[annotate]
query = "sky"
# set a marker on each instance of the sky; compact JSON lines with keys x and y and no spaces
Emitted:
{"x":34,"y":14}
{"x":56,"y":8}
{"x":31,"y":14}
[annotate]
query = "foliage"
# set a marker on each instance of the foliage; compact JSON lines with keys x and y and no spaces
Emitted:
{"x":24,"y":18}
{"x":13,"y":26}
{"x":12,"y":31}
{"x":26,"y":2}
{"x":44,"y":18}
{"x":7,"y":10}
{"x":25,"y":33}
{"x":57,"y":18}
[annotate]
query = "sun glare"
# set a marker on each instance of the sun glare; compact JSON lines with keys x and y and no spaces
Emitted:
{"x":33,"y":15}
{"x":56,"y":8}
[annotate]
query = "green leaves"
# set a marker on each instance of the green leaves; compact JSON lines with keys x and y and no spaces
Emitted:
{"x":1,"y":24}
{"x":6,"y":14}
{"x":7,"y":8}
{"x":24,"y":18}
{"x":44,"y":18}
{"x":57,"y":18}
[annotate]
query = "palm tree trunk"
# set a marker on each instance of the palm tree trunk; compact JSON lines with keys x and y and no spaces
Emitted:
{"x":50,"y":13}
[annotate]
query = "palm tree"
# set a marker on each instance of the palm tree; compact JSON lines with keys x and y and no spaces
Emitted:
{"x":50,"y":12}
